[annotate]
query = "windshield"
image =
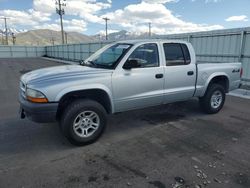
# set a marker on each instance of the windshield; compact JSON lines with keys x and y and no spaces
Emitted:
{"x":108,"y":57}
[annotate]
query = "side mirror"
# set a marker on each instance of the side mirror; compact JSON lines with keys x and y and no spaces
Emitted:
{"x":81,"y":62}
{"x":132,"y":63}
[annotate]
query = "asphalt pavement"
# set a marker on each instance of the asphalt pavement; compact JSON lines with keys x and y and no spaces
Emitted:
{"x":170,"y":146}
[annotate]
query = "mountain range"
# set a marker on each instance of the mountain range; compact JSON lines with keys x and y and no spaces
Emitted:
{"x":43,"y":37}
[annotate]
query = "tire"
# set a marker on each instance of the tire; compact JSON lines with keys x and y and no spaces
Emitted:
{"x":83,"y":122}
{"x":213,"y":100}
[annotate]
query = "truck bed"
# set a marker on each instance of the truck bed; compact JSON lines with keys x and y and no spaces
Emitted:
{"x":207,"y":70}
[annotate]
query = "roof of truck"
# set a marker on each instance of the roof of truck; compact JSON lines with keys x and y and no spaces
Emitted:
{"x":151,"y":40}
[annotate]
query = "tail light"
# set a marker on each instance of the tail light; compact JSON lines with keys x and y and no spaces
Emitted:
{"x":241,"y":72}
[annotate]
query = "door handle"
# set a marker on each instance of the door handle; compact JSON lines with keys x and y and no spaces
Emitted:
{"x":158,"y":76}
{"x":190,"y":73}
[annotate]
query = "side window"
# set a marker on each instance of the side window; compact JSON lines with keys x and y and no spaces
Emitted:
{"x":146,"y":55}
{"x":176,"y":54}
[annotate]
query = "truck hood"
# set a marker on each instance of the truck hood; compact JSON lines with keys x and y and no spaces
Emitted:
{"x":61,"y":72}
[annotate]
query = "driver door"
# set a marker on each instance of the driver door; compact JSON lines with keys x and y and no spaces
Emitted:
{"x":140,"y":86}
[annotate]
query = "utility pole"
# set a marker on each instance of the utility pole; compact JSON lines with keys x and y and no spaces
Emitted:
{"x":61,"y":12}
{"x":6,"y":29}
{"x":106,"y":26}
{"x":2,"y":39}
{"x":13,"y":38}
{"x":2,"y":33}
{"x":149,"y":29}
{"x":66,"y":37}
{"x":52,"y":41}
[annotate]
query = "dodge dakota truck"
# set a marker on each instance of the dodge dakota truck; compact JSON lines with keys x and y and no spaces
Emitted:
{"x":119,"y":77}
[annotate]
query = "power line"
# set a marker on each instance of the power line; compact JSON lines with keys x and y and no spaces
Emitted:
{"x":106,"y":26}
{"x":6,"y":30}
{"x":61,"y":12}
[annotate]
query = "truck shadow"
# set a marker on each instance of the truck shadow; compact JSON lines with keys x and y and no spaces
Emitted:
{"x":133,"y":121}
{"x":20,"y":136}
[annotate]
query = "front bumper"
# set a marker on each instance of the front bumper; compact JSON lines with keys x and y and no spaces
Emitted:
{"x":38,"y":112}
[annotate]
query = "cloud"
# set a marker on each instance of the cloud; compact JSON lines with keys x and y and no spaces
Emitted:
{"x":160,"y":1}
{"x":69,"y":25}
{"x":209,"y":1}
{"x":86,"y":9}
{"x":29,"y":18}
{"x":41,"y":13}
{"x":237,"y":18}
{"x":135,"y":18}
{"x":212,"y":1}
{"x":103,"y":32}
{"x":47,"y":6}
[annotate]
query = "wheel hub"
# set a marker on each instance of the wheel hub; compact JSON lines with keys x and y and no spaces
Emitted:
{"x":86,"y":123}
{"x":216,"y":99}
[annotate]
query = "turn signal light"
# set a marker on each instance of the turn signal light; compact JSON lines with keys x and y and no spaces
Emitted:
{"x":37,"y":100}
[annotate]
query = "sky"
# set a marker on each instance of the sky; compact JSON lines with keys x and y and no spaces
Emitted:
{"x":165,"y":16}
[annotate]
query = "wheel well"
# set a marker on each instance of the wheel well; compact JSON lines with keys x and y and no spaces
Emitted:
{"x":221,"y":80}
{"x":94,"y":94}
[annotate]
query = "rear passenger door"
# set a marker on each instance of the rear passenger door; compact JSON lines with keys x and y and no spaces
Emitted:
{"x":180,"y":73}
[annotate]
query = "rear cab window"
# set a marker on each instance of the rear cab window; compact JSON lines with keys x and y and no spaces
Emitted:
{"x":176,"y":54}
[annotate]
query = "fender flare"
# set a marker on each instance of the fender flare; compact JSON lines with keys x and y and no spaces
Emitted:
{"x":210,"y":78}
{"x":87,"y":87}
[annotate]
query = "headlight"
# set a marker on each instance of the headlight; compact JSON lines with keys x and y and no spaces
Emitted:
{"x":35,"y":96}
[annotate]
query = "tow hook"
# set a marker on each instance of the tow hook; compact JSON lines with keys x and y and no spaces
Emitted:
{"x":22,"y":114}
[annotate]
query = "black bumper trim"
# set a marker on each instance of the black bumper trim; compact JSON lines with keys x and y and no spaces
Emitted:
{"x":38,"y":112}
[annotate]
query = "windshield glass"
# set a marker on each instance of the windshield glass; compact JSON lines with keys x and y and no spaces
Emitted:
{"x":108,"y":57}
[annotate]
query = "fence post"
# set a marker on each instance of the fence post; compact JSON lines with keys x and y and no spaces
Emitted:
{"x":189,"y":38}
{"x":81,"y":51}
{"x":11,"y":52}
{"x":26,"y":50}
{"x":242,"y":44}
{"x":58,"y":52}
{"x":89,"y":49}
{"x":74,"y":47}
{"x":68,"y":51}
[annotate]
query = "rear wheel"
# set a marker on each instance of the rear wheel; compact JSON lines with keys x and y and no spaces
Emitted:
{"x":214,"y":99}
{"x":83,"y":121}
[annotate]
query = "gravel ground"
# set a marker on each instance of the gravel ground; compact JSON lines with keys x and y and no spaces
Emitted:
{"x":170,"y":146}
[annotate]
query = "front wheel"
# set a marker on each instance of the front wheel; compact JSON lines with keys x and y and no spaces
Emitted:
{"x":83,"y":121}
{"x":214,"y":99}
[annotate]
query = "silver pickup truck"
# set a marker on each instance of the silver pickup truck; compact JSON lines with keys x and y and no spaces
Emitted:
{"x":119,"y":77}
